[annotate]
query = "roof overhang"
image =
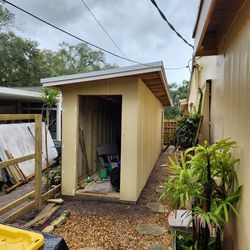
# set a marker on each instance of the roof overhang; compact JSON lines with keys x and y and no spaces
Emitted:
{"x":18,"y":94}
{"x":214,"y":19}
{"x":153,"y":75}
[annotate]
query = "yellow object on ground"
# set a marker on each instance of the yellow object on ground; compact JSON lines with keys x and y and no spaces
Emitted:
{"x":12,"y":238}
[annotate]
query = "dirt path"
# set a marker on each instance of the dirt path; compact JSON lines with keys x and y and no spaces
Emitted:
{"x":112,"y":225}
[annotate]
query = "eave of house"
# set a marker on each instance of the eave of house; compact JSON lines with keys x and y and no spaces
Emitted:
{"x":152,"y":74}
{"x":18,"y":94}
{"x":214,"y":19}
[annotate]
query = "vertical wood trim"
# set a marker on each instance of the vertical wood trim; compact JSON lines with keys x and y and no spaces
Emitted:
{"x":94,"y":133}
{"x":38,"y":162}
{"x":89,"y":134}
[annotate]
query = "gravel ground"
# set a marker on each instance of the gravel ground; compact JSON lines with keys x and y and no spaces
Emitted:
{"x":102,"y":225}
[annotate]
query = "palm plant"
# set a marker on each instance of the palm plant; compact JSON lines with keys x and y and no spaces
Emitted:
{"x":205,"y":176}
{"x":50,"y":98}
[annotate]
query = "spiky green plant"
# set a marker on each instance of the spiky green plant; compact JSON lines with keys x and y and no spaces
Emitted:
{"x":205,"y":176}
{"x":50,"y":98}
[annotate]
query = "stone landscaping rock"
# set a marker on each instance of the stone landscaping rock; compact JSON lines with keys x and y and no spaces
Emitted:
{"x":151,"y":229}
{"x":157,"y":208}
{"x":159,"y":190}
{"x":158,"y":247}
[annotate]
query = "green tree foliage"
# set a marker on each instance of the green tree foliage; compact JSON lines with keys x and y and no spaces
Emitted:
{"x":177,"y":93}
{"x":22,"y":63}
{"x":6,"y":17}
{"x":71,"y":59}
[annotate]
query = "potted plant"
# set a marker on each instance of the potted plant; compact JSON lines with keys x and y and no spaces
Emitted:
{"x":204,"y":177}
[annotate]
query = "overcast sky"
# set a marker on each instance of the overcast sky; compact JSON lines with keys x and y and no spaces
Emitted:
{"x":136,"y":27}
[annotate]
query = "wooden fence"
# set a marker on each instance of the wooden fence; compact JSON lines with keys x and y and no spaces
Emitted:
{"x":169,"y":130}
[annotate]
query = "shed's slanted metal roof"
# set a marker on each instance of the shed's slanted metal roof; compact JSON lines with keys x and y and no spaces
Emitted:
{"x":153,"y":75}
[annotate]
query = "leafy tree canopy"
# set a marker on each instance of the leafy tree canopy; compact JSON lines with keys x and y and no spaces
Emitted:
{"x":177,"y":93}
{"x":6,"y":17}
{"x":22,"y":63}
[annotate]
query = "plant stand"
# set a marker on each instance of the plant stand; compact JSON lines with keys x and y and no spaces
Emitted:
{"x":179,"y":221}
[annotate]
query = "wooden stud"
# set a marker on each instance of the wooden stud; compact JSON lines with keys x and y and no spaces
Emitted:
{"x":17,"y":160}
{"x":23,"y":210}
{"x":17,"y":202}
{"x":38,"y":162}
{"x":16,"y":117}
{"x":94,"y":135}
{"x":88,"y":137}
{"x":20,"y":172}
{"x":40,"y":216}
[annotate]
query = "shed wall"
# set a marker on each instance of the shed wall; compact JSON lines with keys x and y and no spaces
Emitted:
{"x":149,"y":133}
{"x":128,"y":88}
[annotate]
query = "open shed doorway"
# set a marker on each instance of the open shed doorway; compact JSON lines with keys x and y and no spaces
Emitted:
{"x":99,"y":145}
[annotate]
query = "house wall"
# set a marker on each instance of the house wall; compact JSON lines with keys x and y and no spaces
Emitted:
{"x":234,"y":114}
{"x":128,"y":88}
{"x":230,"y":116}
{"x":149,"y":133}
{"x":206,"y":70}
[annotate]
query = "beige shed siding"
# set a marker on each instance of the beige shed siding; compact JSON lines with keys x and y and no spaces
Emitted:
{"x":69,"y":142}
{"x":128,"y":88}
{"x":149,"y":133}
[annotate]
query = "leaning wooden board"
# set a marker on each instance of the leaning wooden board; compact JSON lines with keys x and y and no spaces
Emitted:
{"x":18,"y":139}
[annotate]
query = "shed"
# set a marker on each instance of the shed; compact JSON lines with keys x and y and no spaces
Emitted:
{"x":118,"y":110}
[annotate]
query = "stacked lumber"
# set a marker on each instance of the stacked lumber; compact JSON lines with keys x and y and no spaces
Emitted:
{"x":19,"y":210}
{"x":50,"y":209}
{"x":11,"y":174}
{"x":57,"y":222}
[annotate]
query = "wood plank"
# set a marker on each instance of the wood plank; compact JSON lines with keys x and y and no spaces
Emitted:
{"x":153,"y":83}
{"x":58,"y":201}
{"x":17,"y":160}
{"x":15,"y":117}
{"x":88,"y":133}
{"x":17,"y":202}
{"x":12,"y":187}
{"x":152,"y":86}
{"x":20,"y":172}
{"x":13,"y":173}
{"x":38,"y":162}
{"x":23,"y":210}
{"x":48,"y":215}
{"x":94,"y":136}
{"x":40,"y":216}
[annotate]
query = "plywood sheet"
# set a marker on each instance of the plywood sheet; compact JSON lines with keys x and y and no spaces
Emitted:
{"x":18,"y":139}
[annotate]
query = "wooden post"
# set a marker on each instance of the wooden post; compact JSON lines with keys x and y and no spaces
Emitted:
{"x":38,"y":162}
